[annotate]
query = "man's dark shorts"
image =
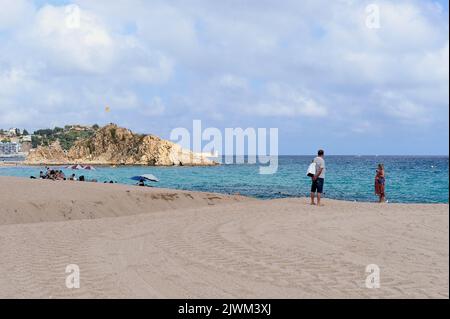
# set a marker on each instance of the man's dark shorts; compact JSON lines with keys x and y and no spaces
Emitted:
{"x":317,"y":185}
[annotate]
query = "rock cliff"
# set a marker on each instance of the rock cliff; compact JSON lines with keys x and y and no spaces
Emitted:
{"x":53,"y":154}
{"x":113,"y":145}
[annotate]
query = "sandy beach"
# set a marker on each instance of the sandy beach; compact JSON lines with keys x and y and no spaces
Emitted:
{"x":132,"y":242}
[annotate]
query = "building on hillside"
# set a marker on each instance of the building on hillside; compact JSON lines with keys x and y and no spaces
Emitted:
{"x":79,"y":128}
{"x":13,"y":132}
{"x":25,"y":138}
{"x":9,"y":148}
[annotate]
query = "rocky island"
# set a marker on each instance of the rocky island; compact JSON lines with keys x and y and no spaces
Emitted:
{"x":114,"y":145}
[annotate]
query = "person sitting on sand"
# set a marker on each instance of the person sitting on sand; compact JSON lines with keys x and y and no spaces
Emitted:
{"x":41,"y":175}
{"x":52,"y":175}
{"x":59,"y":175}
{"x":81,"y":179}
{"x":380,"y":181}
{"x":72,"y":177}
{"x":141,"y":182}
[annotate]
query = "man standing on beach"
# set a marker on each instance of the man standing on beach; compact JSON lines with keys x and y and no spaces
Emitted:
{"x":319,"y":178}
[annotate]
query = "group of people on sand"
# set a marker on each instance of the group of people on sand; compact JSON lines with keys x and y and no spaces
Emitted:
{"x":55,"y":175}
{"x":318,"y":180}
{"x":58,"y":175}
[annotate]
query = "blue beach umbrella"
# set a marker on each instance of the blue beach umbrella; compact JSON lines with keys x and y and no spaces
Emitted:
{"x":146,"y":177}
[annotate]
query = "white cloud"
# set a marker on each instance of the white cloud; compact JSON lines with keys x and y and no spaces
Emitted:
{"x":362,"y":127}
{"x":156,"y":107}
{"x":285,"y":101}
{"x":13,"y":13}
{"x":233,"y":82}
{"x":158,"y":70}
{"x":400,"y":107}
{"x":11,"y":80}
{"x":84,"y":46}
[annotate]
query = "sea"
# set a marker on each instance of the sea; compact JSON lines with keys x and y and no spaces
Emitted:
{"x":409,"y":179}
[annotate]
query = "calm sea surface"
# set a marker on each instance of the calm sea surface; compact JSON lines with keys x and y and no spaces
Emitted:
{"x":410,"y":179}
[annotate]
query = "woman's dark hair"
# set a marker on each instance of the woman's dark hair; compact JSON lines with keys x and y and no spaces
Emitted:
{"x":320,"y":152}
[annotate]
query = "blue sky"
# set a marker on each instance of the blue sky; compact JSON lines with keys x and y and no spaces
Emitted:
{"x":313,"y":69}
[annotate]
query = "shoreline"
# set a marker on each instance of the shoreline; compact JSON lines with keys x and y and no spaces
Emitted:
{"x":239,"y":197}
{"x":25,"y":164}
{"x":226,"y":194}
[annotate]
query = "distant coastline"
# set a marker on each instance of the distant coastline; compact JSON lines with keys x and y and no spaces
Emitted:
{"x":113,"y":145}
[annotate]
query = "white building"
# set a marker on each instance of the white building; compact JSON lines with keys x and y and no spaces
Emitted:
{"x":26,"y":138}
{"x":9,"y":148}
{"x":13,"y":131}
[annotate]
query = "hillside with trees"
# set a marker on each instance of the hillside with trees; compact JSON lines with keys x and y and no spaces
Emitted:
{"x":66,"y":136}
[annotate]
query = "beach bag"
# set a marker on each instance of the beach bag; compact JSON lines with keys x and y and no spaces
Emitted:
{"x":311,"y":170}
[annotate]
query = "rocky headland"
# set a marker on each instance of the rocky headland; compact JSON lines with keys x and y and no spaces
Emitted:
{"x":114,"y":145}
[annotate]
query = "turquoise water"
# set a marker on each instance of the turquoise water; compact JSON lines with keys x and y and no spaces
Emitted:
{"x":409,"y":179}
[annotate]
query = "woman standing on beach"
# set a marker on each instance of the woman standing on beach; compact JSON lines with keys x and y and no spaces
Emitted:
{"x":380,"y":181}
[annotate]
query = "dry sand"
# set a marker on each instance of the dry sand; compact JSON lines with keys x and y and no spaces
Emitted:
{"x":132,"y":242}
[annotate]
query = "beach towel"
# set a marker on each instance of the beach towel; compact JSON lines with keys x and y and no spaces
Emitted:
{"x":311,"y":170}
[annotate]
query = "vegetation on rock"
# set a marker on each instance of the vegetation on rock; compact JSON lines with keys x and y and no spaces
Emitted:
{"x":66,"y":136}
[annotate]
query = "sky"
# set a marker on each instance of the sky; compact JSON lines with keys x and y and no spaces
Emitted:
{"x":327,"y":74}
